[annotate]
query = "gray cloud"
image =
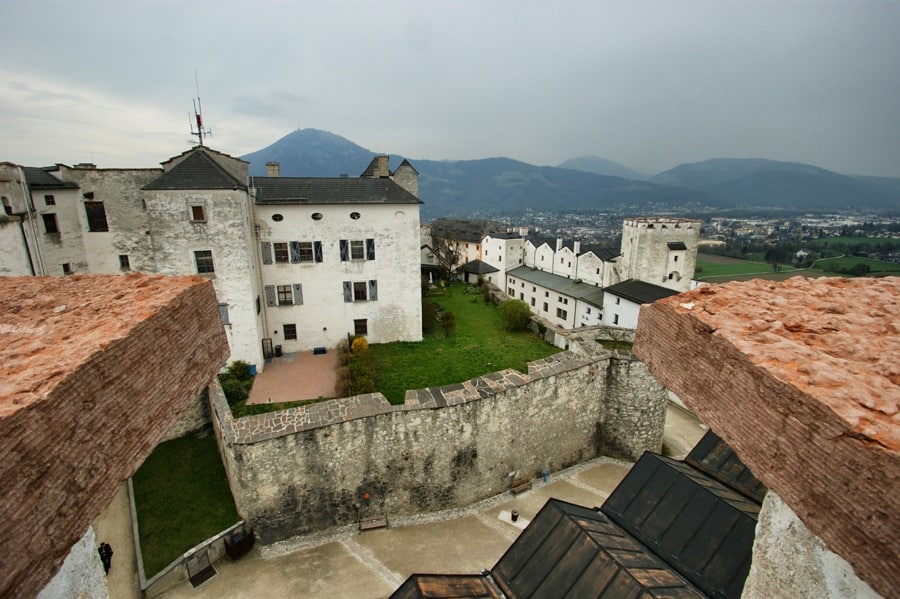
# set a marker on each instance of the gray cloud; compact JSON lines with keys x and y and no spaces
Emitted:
{"x":650,"y":84}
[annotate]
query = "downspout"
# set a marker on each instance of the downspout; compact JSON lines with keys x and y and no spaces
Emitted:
{"x":21,"y":216}
{"x":251,"y":192}
{"x":29,"y":206}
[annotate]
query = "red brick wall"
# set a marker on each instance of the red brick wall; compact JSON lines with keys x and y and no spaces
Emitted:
{"x":802,"y":379}
{"x":95,"y":369}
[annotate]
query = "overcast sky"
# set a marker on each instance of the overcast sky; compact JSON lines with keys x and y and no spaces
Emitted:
{"x":648,"y":84}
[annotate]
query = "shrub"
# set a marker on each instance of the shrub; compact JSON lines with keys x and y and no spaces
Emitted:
{"x":236,"y":382}
{"x":429,"y":316}
{"x":448,"y":323}
{"x":359,"y":346}
{"x":343,"y":351}
{"x":515,"y":315}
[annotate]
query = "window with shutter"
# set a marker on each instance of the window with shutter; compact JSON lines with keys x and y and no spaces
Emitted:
{"x":348,"y":291}
{"x":373,"y":290}
{"x":317,"y":250}
{"x":298,"y":294}
{"x":370,"y":249}
{"x":270,"y":295}
{"x":265,"y":248}
{"x":345,"y":250}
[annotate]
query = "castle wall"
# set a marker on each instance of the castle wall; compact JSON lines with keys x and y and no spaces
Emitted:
{"x":326,"y":465}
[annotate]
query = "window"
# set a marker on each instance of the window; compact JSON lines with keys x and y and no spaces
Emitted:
{"x":533,"y":289}
{"x":618,"y":300}
{"x":281,"y":253}
{"x":360,"y":326}
{"x":360,"y":291}
{"x":354,"y":215}
{"x":223,"y":313}
{"x":522,"y":296}
{"x":204,"y":261}
{"x":7,"y":207}
{"x":560,"y":313}
{"x":198,"y":213}
{"x":96,"y":217}
{"x":615,"y":319}
{"x":67,"y":268}
{"x":305,"y":251}
{"x":532,"y":302}
{"x":283,"y":295}
{"x":588,"y":310}
{"x":675,"y":258}
{"x":511,"y":292}
{"x":277,"y":217}
{"x":124,"y":262}
{"x":293,"y":252}
{"x":49,"y":200}
{"x":545,"y":307}
{"x":523,"y":285}
{"x":290,"y":331}
{"x":546,"y":294}
{"x":50,"y":225}
{"x":357,"y":249}
{"x":258,"y":305}
{"x":317,"y":216}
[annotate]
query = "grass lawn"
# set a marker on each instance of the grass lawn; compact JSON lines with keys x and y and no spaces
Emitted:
{"x":830,"y":264}
{"x":478,"y":346}
{"x":182,"y":498}
{"x":719,"y":266}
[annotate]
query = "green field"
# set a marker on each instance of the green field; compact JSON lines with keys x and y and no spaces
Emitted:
{"x":711,"y":266}
{"x":182,"y":498}
{"x":851,"y":241}
{"x":479,"y":345}
{"x":847,"y":262}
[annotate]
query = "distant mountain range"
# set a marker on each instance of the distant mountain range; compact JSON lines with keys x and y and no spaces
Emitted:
{"x":493,"y":186}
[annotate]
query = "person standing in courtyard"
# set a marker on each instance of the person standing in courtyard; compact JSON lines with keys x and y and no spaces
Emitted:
{"x":106,"y":554}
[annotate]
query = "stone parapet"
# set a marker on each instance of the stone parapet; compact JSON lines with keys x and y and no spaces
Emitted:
{"x":95,"y":370}
{"x":802,"y":380}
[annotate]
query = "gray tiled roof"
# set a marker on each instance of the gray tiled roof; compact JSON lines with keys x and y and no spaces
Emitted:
{"x":562,"y":285}
{"x":38,"y":178}
{"x":640,"y":292}
{"x":341,"y":190}
{"x":477,"y":267}
{"x":197,"y":171}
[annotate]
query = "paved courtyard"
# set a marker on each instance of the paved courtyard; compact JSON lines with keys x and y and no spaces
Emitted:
{"x":296,"y":376}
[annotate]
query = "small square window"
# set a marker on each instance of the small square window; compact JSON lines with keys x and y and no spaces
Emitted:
{"x":285,"y":295}
{"x":204,"y":261}
{"x":67,"y":268}
{"x":49,"y":200}
{"x":306,"y":251}
{"x":357,"y":249}
{"x":223,"y":313}
{"x":50,"y":225}
{"x":124,"y":262}
{"x":282,"y":256}
{"x":360,"y":326}
{"x":359,"y":291}
{"x":198,"y":213}
{"x":290,"y":332}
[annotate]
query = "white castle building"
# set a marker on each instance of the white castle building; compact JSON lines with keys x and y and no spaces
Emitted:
{"x":297,"y":263}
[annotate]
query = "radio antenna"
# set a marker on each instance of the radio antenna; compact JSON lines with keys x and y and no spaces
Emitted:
{"x":198,"y":116}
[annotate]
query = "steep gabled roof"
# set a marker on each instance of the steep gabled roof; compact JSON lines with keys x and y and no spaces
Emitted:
{"x":341,"y":190}
{"x":39,"y":178}
{"x":640,"y":292}
{"x":572,"y":551}
{"x":197,"y":171}
{"x":604,"y":253}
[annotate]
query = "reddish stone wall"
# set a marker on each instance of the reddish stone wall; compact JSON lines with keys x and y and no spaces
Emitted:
{"x":802,"y":379}
{"x":93,"y":371}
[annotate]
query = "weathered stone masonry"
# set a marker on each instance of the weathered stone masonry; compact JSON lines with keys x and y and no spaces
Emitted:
{"x":325,"y":465}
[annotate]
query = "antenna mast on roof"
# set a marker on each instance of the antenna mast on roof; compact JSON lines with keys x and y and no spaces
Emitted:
{"x":198,"y":115}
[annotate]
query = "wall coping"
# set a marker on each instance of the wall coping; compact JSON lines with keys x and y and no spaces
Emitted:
{"x":262,"y":427}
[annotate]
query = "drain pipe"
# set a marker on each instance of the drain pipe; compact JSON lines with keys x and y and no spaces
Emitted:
{"x":29,"y":207}
{"x":21,"y":216}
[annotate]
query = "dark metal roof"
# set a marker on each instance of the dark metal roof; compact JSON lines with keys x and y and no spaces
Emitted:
{"x":605,"y":254}
{"x":677,"y":245}
{"x":572,"y":551}
{"x":697,"y":525}
{"x":503,"y":235}
{"x":341,"y":190}
{"x":39,"y":178}
{"x":196,"y":171}
{"x":562,"y":285}
{"x":714,"y":457}
{"x":477,"y":267}
{"x":640,"y":292}
{"x":446,"y":586}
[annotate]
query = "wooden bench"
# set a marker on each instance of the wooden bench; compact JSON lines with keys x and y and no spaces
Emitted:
{"x":520,"y":486}
{"x":373,"y":523}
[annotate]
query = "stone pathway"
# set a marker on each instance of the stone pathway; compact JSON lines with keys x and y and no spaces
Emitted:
{"x":296,"y":376}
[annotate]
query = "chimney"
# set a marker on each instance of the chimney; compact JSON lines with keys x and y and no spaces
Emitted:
{"x":558,"y":243}
{"x":273,"y":169}
{"x":381,"y":168}
{"x":577,"y":247}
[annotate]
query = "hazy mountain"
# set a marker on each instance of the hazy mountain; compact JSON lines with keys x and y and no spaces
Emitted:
{"x":754,"y":183}
{"x":503,"y":186}
{"x":468,"y":187}
{"x":602,"y":166}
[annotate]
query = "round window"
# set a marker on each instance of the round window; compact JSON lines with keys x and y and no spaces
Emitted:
{"x":354,"y":215}
{"x":277,"y":218}
{"x":317,"y":216}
